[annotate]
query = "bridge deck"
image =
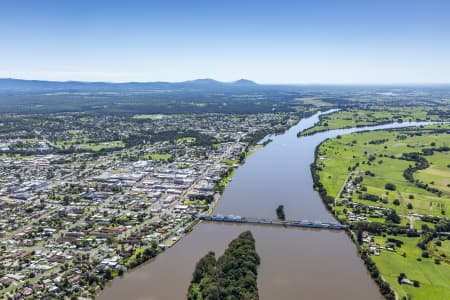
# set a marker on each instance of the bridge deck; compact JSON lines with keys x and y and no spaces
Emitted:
{"x":265,"y":221}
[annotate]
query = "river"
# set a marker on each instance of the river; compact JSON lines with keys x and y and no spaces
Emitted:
{"x":296,"y":263}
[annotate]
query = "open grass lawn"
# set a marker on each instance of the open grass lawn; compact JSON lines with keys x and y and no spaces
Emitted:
{"x":253,"y":149}
{"x":68,"y":143}
{"x":185,"y":140}
{"x":358,"y":118}
{"x":378,"y":153}
{"x":438,"y":174}
{"x":443,"y":249}
{"x":86,"y":144}
{"x":226,"y":180}
{"x":100,"y":146}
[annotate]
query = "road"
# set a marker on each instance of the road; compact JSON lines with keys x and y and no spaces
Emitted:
{"x":338,"y":195}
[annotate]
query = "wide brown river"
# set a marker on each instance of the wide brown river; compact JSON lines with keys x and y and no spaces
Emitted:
{"x":296,"y":263}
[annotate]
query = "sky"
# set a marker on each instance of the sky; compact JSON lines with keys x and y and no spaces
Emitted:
{"x":282,"y":41}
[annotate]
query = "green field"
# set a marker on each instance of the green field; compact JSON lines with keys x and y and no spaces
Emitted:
{"x":433,"y":278}
{"x":377,"y":158}
{"x":68,"y":143}
{"x":337,"y":155}
{"x":437,"y":174}
{"x":358,"y":118}
{"x":185,"y":140}
{"x":253,"y":150}
{"x":442,"y":251}
{"x":101,"y":146}
{"x":230,"y":162}
{"x":313,"y":102}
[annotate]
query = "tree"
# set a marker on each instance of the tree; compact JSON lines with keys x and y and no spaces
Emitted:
{"x":108,"y":274}
{"x":390,"y":186}
{"x":232,"y":276}
{"x":280,"y":212}
{"x":393,"y":217}
{"x":205,"y":266}
{"x":154,"y":244}
{"x":401,"y":277}
{"x":359,"y":236}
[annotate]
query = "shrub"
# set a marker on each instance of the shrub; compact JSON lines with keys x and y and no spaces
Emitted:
{"x":401,"y":277}
{"x":390,"y":186}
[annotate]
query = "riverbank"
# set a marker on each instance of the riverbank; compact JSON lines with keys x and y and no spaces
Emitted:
{"x":389,"y":215}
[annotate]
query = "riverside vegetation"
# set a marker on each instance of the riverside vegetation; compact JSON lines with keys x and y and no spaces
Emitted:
{"x":280,"y":212}
{"x":392,"y":187}
{"x":231,"y":276}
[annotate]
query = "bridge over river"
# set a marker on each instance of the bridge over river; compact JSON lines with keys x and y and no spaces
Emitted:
{"x":276,"y":222}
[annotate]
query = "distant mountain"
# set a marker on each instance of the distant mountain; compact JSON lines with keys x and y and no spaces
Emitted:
{"x":204,"y":81}
{"x":245,"y":82}
{"x":38,"y":86}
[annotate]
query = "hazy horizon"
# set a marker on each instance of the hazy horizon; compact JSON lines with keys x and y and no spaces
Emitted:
{"x":388,"y":84}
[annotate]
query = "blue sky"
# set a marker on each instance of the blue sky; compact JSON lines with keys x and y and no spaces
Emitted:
{"x":344,"y":42}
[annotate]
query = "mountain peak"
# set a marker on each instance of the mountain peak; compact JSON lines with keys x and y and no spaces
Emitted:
{"x":244,"y":82}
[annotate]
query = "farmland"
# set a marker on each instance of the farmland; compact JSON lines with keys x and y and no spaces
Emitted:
{"x":376,"y":116}
{"x":395,"y":197}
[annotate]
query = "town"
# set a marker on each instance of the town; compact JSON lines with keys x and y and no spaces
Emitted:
{"x":85,"y":197}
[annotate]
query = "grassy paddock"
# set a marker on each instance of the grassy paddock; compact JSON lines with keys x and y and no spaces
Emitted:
{"x":376,"y":157}
{"x":359,"y":118}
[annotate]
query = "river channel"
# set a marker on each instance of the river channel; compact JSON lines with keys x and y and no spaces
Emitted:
{"x":296,"y":263}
